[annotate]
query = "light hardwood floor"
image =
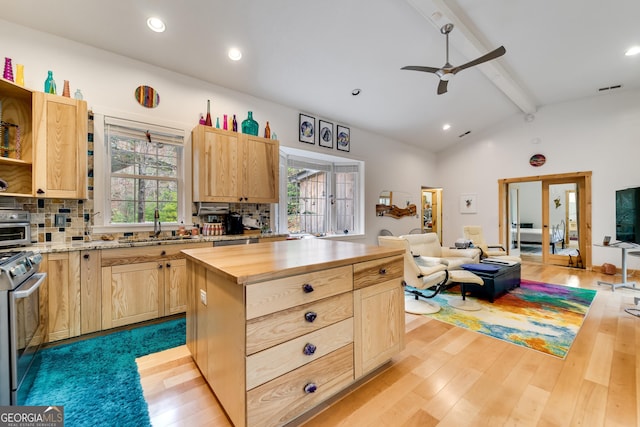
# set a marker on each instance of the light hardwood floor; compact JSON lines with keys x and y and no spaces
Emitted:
{"x":449,"y":376}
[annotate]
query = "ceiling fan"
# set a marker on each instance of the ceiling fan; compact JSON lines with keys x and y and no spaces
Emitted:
{"x":448,"y":71}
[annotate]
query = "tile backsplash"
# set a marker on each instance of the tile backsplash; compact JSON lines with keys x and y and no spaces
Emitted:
{"x":75,"y":219}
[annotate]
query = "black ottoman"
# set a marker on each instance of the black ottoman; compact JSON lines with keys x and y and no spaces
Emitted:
{"x":497,"y":279}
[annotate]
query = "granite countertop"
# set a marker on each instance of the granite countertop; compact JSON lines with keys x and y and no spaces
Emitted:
{"x":51,"y":247}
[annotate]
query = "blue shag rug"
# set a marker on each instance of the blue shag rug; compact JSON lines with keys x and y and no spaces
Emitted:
{"x":97,"y":380}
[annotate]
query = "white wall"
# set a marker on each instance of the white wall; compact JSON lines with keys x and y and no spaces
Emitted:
{"x":108,"y":83}
{"x":600,"y":134}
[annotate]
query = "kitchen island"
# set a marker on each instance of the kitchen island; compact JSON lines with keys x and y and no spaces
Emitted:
{"x":278,"y":328}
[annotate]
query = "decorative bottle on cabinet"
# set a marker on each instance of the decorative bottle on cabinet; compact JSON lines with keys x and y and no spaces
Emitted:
{"x":50,"y":84}
{"x":250,"y":126}
{"x":65,"y":89}
{"x":224,"y":122}
{"x":267,"y":131}
{"x":8,"y":69}
{"x":207,"y":121}
{"x":235,"y":124}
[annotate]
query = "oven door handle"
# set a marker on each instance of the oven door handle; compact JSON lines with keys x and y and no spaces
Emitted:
{"x":32,"y":285}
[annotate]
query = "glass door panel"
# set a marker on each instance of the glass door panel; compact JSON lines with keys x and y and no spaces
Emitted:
{"x":559,"y":204}
{"x":514,"y":219}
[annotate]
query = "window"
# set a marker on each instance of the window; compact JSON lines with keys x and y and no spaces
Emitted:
{"x":323,"y":194}
{"x":144,"y":172}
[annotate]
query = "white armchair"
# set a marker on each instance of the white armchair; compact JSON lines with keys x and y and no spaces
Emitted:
{"x":418,"y":278}
{"x":474,"y":233}
{"x":428,"y":247}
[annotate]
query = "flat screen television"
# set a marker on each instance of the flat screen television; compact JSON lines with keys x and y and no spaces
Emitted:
{"x":628,"y":215}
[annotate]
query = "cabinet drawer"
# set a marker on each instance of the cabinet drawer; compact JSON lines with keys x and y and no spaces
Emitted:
{"x":379,"y":270}
{"x":280,"y":294}
{"x":285,"y":398}
{"x":272,"y":329}
{"x":275,"y":361}
{"x":121,"y":256}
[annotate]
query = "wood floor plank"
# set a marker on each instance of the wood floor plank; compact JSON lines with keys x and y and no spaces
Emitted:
{"x":449,"y":376}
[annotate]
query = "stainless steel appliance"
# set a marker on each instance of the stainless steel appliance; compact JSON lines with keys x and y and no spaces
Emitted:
{"x":22,"y":326}
{"x":15,"y":228}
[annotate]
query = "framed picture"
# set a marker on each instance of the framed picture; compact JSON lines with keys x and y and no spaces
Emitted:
{"x":325,"y":134}
{"x":307,"y":129}
{"x":468,"y":203}
{"x":343,"y":138}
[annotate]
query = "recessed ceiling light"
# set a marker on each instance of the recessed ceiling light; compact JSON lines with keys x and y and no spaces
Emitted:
{"x":446,"y":126}
{"x":235,"y":54}
{"x":356,"y":92}
{"x":156,"y":24}
{"x":633,"y":51}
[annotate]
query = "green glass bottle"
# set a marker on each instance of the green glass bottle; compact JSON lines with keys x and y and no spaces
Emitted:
{"x":250,"y":126}
{"x":50,"y":84}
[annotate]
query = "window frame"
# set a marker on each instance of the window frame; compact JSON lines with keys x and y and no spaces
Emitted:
{"x":330,"y":164}
{"x":102,"y":174}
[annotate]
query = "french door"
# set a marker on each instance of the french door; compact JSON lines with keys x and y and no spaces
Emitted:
{"x":548,"y":218}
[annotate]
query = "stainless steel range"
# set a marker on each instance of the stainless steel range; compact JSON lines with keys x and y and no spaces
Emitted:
{"x":22,"y":325}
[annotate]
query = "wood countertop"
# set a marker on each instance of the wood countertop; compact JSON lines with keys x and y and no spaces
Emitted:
{"x":245,"y":264}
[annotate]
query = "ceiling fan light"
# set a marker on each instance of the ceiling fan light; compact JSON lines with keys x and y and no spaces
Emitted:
{"x":446,"y":76}
{"x":634,"y":50}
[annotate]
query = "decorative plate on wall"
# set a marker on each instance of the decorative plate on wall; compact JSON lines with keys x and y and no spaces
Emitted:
{"x":147,"y":96}
{"x":537,"y":160}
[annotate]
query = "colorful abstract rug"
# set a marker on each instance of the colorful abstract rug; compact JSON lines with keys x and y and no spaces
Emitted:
{"x":537,"y":315}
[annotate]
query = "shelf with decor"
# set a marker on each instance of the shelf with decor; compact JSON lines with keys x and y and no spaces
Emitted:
{"x":16,"y":139}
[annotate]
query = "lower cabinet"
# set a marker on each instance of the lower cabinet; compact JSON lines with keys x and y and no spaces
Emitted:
{"x":131,"y":293}
{"x":143,"y":283}
{"x":63,"y":294}
{"x":88,"y":291}
{"x":378,"y":312}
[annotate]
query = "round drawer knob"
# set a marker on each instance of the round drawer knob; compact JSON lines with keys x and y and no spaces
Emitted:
{"x":309,"y":349}
{"x":383,"y":271}
{"x":310,"y":316}
{"x":307,"y":288}
{"x":310,"y":388}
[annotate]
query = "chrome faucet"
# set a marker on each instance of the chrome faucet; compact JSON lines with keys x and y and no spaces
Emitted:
{"x":156,"y":223}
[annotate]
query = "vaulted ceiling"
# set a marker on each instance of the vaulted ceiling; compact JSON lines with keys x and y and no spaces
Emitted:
{"x":311,"y":55}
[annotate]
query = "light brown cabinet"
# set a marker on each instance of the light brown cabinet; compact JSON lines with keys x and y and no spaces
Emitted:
{"x":63,"y":294}
{"x":143,"y":283}
{"x":52,"y":158}
{"x":16,"y":166}
{"x":234,"y":167}
{"x":60,"y":147}
{"x":379,"y":313}
{"x":279,"y":334}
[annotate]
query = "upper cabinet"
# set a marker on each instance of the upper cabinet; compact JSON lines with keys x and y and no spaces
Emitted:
{"x":234,"y":167}
{"x":45,"y":152}
{"x":61,"y":147}
{"x":16,"y":142}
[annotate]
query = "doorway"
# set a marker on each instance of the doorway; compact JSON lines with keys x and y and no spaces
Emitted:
{"x":431,"y":200}
{"x":547,"y":219}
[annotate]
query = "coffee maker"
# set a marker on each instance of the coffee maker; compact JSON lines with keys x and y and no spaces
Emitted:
{"x":234,"y":223}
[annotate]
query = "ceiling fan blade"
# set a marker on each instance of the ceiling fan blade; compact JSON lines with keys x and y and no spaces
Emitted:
{"x":419,"y":68}
{"x":442,"y":87}
{"x":484,"y":58}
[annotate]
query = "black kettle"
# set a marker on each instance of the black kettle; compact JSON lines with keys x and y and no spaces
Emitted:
{"x":234,"y":223}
